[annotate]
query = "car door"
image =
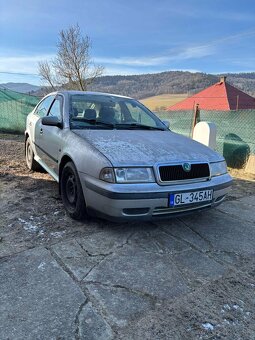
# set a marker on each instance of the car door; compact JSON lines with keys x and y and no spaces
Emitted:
{"x":36,"y":123}
{"x":51,"y":136}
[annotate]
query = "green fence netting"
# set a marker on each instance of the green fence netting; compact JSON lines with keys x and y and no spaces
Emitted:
{"x":235,"y":131}
{"x":14,"y":108}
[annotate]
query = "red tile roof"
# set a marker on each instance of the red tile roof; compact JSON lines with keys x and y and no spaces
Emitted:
{"x":220,"y":96}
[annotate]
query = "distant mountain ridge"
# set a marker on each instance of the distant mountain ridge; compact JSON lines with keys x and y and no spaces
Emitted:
{"x":20,"y":87}
{"x":148,"y":85}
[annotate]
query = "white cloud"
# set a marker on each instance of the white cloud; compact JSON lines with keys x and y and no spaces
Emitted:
{"x":22,"y":64}
{"x":188,"y":53}
{"x":132,"y":61}
{"x":125,"y":71}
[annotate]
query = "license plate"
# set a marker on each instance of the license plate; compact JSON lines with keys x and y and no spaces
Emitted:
{"x":190,"y":197}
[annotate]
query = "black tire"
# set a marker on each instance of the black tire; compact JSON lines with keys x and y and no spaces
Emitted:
{"x":30,"y":160}
{"x":71,"y":192}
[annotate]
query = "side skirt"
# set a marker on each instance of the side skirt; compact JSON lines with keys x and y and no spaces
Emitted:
{"x":50,"y":172}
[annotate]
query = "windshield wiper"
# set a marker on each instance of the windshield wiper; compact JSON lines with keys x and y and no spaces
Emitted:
{"x":139,"y":126}
{"x":128,"y":126}
{"x":94,"y":122}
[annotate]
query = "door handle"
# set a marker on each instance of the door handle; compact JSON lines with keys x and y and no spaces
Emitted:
{"x":41,"y":131}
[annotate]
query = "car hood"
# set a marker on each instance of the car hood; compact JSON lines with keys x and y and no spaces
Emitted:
{"x":146,"y":147}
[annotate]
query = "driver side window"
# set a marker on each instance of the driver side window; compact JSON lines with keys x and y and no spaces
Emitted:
{"x":43,"y":107}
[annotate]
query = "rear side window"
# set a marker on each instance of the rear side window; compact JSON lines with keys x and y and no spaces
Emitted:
{"x":43,"y":107}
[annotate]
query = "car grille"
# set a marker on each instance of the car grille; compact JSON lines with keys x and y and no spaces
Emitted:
{"x":170,"y":173}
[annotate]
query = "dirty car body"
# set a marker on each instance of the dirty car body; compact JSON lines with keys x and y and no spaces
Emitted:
{"x":115,"y":159}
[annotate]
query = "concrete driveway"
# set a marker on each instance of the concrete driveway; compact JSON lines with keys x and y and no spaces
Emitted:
{"x":185,"y":278}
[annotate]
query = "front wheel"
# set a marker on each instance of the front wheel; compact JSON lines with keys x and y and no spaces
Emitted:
{"x":71,"y":192}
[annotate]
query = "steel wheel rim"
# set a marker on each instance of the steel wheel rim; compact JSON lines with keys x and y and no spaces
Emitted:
{"x":29,"y":154}
{"x":71,"y":189}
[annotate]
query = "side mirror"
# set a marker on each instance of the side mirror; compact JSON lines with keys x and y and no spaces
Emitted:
{"x":52,"y":121}
{"x":167,"y":124}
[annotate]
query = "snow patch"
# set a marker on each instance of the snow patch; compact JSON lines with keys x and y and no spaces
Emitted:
{"x":41,"y":233}
{"x":28,"y":226}
{"x":42,"y":266}
{"x":237,"y":307}
{"x":58,"y":234}
{"x":208,"y":326}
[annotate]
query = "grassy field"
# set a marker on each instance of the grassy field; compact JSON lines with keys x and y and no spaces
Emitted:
{"x":159,"y":103}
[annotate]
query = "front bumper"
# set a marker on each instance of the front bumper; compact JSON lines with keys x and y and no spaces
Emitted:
{"x":146,"y":201}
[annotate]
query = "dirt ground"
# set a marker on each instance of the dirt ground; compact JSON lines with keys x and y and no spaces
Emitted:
{"x":186,"y":278}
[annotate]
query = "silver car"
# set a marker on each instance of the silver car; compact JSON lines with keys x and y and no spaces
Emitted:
{"x":115,"y":159}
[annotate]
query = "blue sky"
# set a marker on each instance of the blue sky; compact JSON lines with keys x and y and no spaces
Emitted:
{"x":131,"y":37}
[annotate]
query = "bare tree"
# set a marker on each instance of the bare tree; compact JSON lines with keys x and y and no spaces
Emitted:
{"x":72,"y":65}
{"x":45,"y":73}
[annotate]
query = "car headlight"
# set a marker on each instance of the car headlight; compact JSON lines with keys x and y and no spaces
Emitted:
{"x":218,"y":168}
{"x":134,"y":175}
{"x":127,"y":175}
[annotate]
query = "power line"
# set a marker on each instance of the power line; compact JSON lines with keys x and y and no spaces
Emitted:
{"x":20,"y":73}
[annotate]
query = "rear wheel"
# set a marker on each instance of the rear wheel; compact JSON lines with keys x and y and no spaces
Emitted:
{"x":71,"y":192}
{"x":30,"y":160}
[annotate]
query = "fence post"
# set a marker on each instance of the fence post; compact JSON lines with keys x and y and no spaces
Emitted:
{"x":196,"y":118}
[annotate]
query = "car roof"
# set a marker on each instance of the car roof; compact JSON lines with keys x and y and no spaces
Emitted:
{"x":67,"y":92}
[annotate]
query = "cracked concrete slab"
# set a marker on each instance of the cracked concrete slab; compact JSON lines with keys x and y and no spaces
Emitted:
{"x":182,"y":232}
{"x":230,"y":258}
{"x":158,"y":241}
{"x":199,"y":265}
{"x":106,"y":241}
{"x":75,"y":258}
{"x":242,"y":209}
{"x":149,"y":273}
{"x":223,"y":232}
{"x":92,"y":326}
{"x":120,"y":304}
{"x":249,"y":200}
{"x":38,"y":299}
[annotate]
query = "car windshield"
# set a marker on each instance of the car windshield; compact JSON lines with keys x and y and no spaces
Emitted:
{"x":90,"y":111}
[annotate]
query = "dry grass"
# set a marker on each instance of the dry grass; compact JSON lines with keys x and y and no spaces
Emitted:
{"x":158,"y":103}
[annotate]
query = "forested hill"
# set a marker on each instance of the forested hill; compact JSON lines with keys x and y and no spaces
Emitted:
{"x":146,"y":85}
